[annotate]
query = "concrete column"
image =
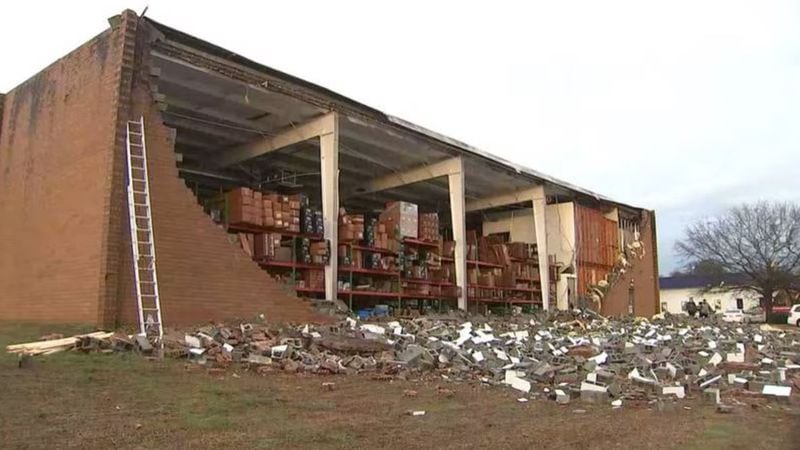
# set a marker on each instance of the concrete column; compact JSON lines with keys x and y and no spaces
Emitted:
{"x":329,"y":161}
{"x":540,"y":223}
{"x":457,"y":212}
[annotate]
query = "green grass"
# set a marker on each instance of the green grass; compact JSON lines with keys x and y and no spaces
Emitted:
{"x":122,"y":400}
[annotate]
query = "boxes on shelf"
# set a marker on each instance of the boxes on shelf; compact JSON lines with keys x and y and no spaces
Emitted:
{"x":522,"y":250}
{"x":320,"y":253}
{"x":401,"y":219}
{"x":428,"y":227}
{"x":472,"y":276}
{"x":242,"y":207}
{"x":448,"y":249}
{"x":265,"y":244}
{"x":450,"y":291}
{"x":283,"y":254}
{"x":351,"y":226}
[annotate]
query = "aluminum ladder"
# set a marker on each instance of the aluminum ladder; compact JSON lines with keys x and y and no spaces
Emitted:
{"x":142,"y":241}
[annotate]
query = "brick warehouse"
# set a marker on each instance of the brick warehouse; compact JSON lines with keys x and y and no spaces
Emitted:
{"x":215,"y":122}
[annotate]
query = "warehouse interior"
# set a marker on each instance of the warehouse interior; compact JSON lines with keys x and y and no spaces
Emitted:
{"x":274,"y":135}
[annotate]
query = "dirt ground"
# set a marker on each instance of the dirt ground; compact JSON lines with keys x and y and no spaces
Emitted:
{"x":73,"y":400}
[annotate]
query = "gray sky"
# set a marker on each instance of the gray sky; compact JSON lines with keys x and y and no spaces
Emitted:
{"x":684,"y":107}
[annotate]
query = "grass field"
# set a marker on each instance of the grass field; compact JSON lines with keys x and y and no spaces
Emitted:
{"x":73,"y":400}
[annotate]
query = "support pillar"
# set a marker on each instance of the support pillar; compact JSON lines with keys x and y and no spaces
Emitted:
{"x":540,"y":223}
{"x":458,"y":217}
{"x":329,"y":161}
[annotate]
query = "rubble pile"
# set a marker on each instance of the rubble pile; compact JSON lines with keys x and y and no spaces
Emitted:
{"x":565,"y":358}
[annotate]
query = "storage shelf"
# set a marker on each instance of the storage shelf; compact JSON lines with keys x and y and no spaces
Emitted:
{"x":532,"y":261}
{"x":483,"y":264}
{"x":505,"y":300}
{"x":250,"y":228}
{"x":421,"y":243}
{"x":289,"y":264}
{"x":310,"y":290}
{"x":424,"y":281}
{"x":388,"y":273}
{"x":425,"y":296}
{"x":384,"y":251}
{"x":371,"y":293}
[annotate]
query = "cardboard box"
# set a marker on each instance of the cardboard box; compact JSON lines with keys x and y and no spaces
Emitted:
{"x":429,"y":227}
{"x":283,"y":254}
{"x":404,"y":217}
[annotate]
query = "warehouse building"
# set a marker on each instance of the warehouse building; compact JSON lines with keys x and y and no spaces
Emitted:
{"x":264,"y":192}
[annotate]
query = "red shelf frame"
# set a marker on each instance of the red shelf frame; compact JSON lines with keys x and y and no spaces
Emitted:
{"x":372,"y":293}
{"x":475,"y":262}
{"x":421,"y":243}
{"x":362,"y":270}
{"x":289,"y":264}
{"x":364,"y":248}
{"x":310,"y":290}
{"x":424,"y":281}
{"x":249,"y":228}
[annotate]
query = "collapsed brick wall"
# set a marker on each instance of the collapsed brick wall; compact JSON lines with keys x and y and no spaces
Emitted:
{"x":642,"y":276}
{"x":57,"y":132}
{"x":202,"y":275}
{"x":2,"y":104}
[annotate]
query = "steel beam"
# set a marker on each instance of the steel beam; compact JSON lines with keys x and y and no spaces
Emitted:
{"x":422,"y":173}
{"x":317,"y":127}
{"x":458,"y":215}
{"x":329,"y":161}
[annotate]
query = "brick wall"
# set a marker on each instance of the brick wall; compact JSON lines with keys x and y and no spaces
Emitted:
{"x":642,"y":275}
{"x":202,"y":275}
{"x":2,"y":103}
{"x":57,"y":132}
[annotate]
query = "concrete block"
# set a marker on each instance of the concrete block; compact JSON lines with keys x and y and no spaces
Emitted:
{"x":677,"y":391}
{"x":562,"y":398}
{"x":712,"y":395}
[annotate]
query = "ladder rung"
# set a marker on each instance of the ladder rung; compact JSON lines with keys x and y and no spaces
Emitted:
{"x":149,"y":295}
{"x":139,"y":192}
{"x":142,"y":217}
{"x":139,"y":204}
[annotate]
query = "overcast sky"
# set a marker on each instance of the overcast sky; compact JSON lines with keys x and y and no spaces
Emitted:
{"x":682,"y":107}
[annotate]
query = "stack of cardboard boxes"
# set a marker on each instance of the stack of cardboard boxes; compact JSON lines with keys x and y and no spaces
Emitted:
{"x":243,"y":207}
{"x":351,"y":227}
{"x":282,"y":212}
{"x":270,"y":210}
{"x":267,"y":246}
{"x":401,"y":220}
{"x":429,"y":227}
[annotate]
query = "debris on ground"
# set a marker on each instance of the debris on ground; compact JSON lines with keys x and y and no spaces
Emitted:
{"x":568,"y":356}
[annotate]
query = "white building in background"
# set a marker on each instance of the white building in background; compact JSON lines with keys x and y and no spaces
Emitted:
{"x":676,"y":292}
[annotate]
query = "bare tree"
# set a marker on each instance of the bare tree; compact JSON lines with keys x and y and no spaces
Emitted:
{"x":761,"y":241}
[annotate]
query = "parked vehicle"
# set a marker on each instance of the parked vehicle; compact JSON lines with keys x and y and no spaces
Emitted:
{"x":752,"y":315}
{"x":794,"y":316}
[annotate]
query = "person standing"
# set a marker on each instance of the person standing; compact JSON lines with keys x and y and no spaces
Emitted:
{"x":705,"y":309}
{"x":691,"y":307}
